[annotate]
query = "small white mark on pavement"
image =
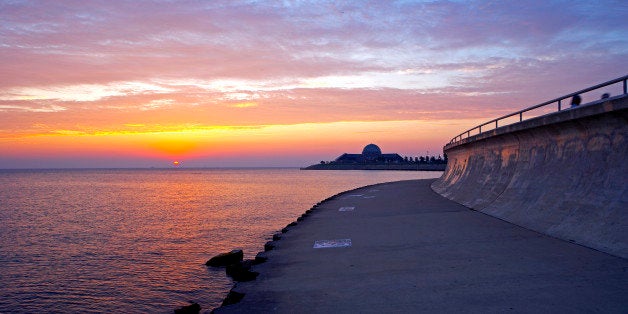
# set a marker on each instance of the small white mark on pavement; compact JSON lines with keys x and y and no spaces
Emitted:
{"x":324,"y":244}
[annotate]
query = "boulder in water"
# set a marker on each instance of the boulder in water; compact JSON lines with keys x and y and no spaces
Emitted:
{"x":193,"y":308}
{"x":260,"y":258}
{"x":241,"y":271}
{"x":224,"y":259}
{"x":232,"y":298}
{"x":269,"y":245}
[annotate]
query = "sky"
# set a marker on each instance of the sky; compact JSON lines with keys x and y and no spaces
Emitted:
{"x":90,"y":84}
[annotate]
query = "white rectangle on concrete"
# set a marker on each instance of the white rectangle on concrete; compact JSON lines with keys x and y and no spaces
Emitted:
{"x":346,"y":209}
{"x":324,"y":244}
{"x":355,"y":195}
{"x":371,"y":196}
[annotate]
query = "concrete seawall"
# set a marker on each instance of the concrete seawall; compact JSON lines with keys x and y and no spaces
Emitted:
{"x":564,"y":174}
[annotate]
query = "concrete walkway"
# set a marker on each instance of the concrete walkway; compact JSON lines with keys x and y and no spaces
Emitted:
{"x":415,"y":251}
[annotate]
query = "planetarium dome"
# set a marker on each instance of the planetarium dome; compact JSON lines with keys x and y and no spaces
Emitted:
{"x":371,"y":151}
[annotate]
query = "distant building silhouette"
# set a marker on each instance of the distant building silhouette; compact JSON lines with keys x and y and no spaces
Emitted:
{"x":372,"y":158}
{"x":370,"y":154}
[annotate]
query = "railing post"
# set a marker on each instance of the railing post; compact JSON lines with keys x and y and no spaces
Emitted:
{"x":468,"y":134}
{"x":625,"y":87}
{"x":496,"y":123}
{"x":520,"y":116}
{"x":559,"y":104}
{"x":480,"y":129}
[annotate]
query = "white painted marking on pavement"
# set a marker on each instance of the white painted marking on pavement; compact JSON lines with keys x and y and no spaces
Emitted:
{"x":346,"y":209}
{"x":324,"y":244}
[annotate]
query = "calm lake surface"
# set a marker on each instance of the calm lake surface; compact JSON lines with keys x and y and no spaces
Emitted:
{"x":137,"y":240}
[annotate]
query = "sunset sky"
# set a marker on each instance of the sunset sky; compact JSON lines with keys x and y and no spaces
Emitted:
{"x":282,"y":83}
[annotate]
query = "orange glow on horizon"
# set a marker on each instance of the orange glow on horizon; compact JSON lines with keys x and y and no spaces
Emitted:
{"x":163,"y":83}
{"x":405,"y":137}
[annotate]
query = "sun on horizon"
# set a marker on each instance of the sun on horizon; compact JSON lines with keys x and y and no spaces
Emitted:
{"x":241,"y":83}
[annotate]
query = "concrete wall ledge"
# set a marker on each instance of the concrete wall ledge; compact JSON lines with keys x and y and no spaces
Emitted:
{"x":589,"y":109}
{"x":563,"y":174}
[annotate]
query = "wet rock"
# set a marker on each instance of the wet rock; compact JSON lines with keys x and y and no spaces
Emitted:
{"x":238,"y":267}
{"x":276,"y":236}
{"x":241,"y":271}
{"x":284,"y":230}
{"x":260,"y":258}
{"x":193,"y":308}
{"x":232,"y":298}
{"x":300,"y":218}
{"x":292,"y":224}
{"x":269,"y":246}
{"x":224,"y":259}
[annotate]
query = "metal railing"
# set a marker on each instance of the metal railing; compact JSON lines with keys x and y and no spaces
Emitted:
{"x":520,"y":113}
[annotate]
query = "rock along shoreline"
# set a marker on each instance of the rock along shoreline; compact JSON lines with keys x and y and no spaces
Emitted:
{"x":233,"y":296}
{"x":401,"y":247}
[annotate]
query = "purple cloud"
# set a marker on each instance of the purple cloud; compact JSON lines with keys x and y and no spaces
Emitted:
{"x":439,"y":59}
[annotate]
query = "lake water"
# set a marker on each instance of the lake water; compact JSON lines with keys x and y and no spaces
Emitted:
{"x":137,"y":240}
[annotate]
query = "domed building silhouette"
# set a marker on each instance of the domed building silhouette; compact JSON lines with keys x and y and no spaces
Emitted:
{"x":370,"y":154}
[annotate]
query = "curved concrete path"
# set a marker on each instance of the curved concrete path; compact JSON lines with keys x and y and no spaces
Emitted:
{"x":413,"y":251}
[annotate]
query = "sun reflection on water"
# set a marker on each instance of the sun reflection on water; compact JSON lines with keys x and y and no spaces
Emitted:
{"x":120,"y":240}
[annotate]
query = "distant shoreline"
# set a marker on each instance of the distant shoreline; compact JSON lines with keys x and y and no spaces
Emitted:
{"x":404,"y":167}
